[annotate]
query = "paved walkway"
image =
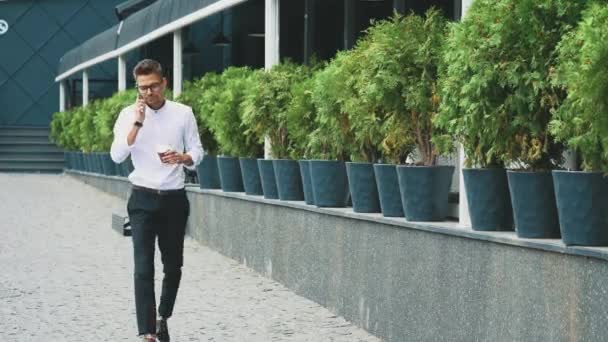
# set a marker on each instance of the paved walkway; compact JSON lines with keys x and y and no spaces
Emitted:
{"x":65,"y":275}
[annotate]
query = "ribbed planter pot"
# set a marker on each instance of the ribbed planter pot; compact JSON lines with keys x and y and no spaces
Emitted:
{"x":363,"y":188}
{"x":269,"y":182}
{"x":534,"y":208}
{"x":329,"y":183}
{"x":79,"y":162}
{"x":289,"y":180}
{"x":108,"y":165}
{"x":99,"y":163}
{"x":582,"y":206}
{"x":488,"y":199}
{"x":67,"y":160}
{"x":88,"y":163}
{"x":208,"y":174}
{"x":118,"y":170}
{"x":388,"y":190}
{"x":424,"y":191}
{"x":230,"y":174}
{"x":251,"y":176}
{"x":309,"y":196}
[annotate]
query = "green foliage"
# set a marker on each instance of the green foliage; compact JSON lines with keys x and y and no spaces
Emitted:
{"x":332,"y":137}
{"x":582,"y":120}
{"x":496,"y":90}
{"x":300,"y":116}
{"x":396,"y":84}
{"x":196,"y":94}
{"x":266,"y":105}
{"x":225,"y":119}
{"x":107,"y":112}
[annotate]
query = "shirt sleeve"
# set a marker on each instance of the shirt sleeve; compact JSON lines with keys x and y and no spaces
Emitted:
{"x":120,"y":148}
{"x":192,"y":141}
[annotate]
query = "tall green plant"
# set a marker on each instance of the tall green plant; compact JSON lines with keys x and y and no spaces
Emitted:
{"x":89,"y":137}
{"x":332,"y":137}
{"x":496,"y":89}
{"x":582,"y":120}
{"x":300,"y":116}
{"x":397,"y":85}
{"x":266,"y":106}
{"x":225,"y":120}
{"x":193,"y":95}
{"x":107,"y":111}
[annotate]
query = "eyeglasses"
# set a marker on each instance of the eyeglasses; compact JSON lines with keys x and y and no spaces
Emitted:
{"x":155,"y":87}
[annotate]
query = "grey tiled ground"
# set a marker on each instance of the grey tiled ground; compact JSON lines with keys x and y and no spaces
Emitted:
{"x":66,"y":276}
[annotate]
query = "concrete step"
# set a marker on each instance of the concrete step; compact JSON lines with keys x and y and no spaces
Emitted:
{"x":29,"y":159}
{"x":28,"y":147}
{"x":25,"y":139}
{"x":32,"y":155}
{"x":24,"y":131}
{"x":31,"y":167}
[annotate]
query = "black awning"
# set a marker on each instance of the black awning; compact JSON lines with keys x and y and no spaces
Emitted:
{"x":158,"y":15}
{"x":98,"y":45}
{"x":135,"y":26}
{"x":125,"y":9}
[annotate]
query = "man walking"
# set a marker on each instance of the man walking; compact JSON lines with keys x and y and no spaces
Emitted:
{"x":161,"y":136}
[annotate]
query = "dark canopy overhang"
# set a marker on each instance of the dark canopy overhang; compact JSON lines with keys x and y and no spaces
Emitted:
{"x":148,"y":24}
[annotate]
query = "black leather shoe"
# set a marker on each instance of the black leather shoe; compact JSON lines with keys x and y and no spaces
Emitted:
{"x":162,"y":331}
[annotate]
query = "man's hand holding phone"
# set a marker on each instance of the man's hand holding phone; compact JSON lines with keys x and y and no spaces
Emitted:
{"x":140,"y":109}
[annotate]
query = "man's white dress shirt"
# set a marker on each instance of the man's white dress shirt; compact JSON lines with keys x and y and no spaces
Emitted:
{"x":173,"y":125}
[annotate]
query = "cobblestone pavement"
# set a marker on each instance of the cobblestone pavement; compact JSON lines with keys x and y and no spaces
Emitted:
{"x":67,"y":276}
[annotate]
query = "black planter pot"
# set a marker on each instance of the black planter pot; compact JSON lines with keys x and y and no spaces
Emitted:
{"x":99,"y":163}
{"x":424,"y":191}
{"x":289,"y":180}
{"x":582,"y":206}
{"x":488,"y":198}
{"x":388,"y":190}
{"x":118,"y":170}
{"x":363,"y":188}
{"x":79,"y":161}
{"x":127,"y":167}
{"x":67,"y":160}
{"x":309,"y":196}
{"x":251,"y":176}
{"x":230,"y":174}
{"x":88,"y":162}
{"x":329,"y":183}
{"x":108,"y":165}
{"x":534,"y":208}
{"x":208,"y":174}
{"x":269,"y":182}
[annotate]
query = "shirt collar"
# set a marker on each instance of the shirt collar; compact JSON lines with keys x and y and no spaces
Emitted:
{"x":159,"y":109}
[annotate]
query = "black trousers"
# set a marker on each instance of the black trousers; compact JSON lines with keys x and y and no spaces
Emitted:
{"x":163,"y":216}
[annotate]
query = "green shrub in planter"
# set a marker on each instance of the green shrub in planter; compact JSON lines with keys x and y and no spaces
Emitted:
{"x":496,"y":94}
{"x":200,"y":94}
{"x":332,"y":141}
{"x":225,"y":121}
{"x":581,"y":122}
{"x":399,"y":79}
{"x":301,"y":114}
{"x":265,"y":113}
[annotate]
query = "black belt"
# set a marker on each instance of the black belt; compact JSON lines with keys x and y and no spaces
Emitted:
{"x":158,"y":192}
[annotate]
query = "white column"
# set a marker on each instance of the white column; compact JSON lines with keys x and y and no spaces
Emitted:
{"x":177,"y":63}
{"x":271,"y":42}
{"x":85,"y":88}
{"x":463,"y":205}
{"x":271,"y":47}
{"x":122,"y":73}
{"x":62,"y":96}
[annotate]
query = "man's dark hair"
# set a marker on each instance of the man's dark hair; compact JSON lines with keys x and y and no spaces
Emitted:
{"x":147,"y":67}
